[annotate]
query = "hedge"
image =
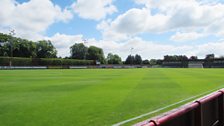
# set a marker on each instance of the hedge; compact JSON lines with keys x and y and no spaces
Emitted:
{"x":64,"y":62}
{"x":72,"y":62}
{"x":4,"y":61}
{"x":16,"y":61}
{"x":50,"y":62}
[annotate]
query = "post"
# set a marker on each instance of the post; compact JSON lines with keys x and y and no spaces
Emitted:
{"x":221,"y":108}
{"x":11,"y":33}
{"x":85,"y":42}
{"x":198,"y":114}
{"x":131,"y":56}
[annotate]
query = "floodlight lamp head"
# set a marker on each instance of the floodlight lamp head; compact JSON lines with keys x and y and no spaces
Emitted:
{"x":12,"y":32}
{"x":84,"y":41}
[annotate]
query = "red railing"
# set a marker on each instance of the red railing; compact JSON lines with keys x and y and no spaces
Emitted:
{"x":207,"y":111}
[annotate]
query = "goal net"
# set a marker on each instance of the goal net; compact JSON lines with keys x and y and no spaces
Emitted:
{"x":195,"y":65}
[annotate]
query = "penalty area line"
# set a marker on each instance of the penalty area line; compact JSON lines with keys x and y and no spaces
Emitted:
{"x":168,"y":106}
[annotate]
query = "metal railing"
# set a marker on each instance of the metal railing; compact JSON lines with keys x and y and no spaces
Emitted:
{"x":207,"y":111}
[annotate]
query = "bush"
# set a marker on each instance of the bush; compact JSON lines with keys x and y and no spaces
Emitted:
{"x":4,"y":61}
{"x":50,"y":62}
{"x":64,"y":62}
{"x":73,"y":62}
{"x":21,"y":61}
{"x":54,"y":67}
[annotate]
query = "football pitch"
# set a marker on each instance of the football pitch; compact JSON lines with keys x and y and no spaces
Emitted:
{"x":96,"y":97}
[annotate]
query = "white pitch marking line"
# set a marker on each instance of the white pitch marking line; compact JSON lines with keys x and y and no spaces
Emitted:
{"x":160,"y":109}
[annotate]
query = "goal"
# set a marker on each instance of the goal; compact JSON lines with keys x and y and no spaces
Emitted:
{"x":195,"y":65}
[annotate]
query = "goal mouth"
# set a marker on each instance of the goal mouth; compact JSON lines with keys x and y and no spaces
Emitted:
{"x":195,"y":65}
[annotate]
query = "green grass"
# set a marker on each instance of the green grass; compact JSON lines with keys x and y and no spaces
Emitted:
{"x":93,"y":96}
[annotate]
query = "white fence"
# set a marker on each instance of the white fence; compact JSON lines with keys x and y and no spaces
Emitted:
{"x":77,"y":67}
{"x":23,"y":67}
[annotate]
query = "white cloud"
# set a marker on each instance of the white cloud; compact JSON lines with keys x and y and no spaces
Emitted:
{"x":159,"y":16}
{"x":208,"y":48}
{"x":31,"y":19}
{"x":216,"y":28}
{"x":108,"y":33}
{"x":147,"y":3}
{"x":186,"y":36}
{"x":94,"y":9}
{"x":131,"y":23}
{"x":185,"y":14}
{"x":149,"y":50}
{"x":185,"y":17}
{"x":63,"y":42}
{"x":146,"y":49}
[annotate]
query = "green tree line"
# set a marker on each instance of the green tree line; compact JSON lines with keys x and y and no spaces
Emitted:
{"x":18,"y":47}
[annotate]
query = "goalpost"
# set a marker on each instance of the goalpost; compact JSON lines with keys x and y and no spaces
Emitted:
{"x":195,"y":65}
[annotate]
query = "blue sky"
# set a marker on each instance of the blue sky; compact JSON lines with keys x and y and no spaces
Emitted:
{"x":86,"y":27}
{"x":153,"y":28}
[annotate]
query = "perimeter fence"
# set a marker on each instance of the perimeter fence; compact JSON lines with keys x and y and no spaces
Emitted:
{"x":207,"y":111}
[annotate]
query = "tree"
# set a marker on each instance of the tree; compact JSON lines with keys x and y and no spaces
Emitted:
{"x":78,"y":51}
{"x":45,"y":49}
{"x":24,"y":48}
{"x":209,"y":60}
{"x":175,"y":58}
{"x":181,"y":59}
{"x":4,"y":37}
{"x":221,"y":57}
{"x":130,"y":59}
{"x":113,"y":59}
{"x":193,"y":58}
{"x":5,"y":48}
{"x":159,"y":62}
{"x":145,"y":62}
{"x":153,"y":62}
{"x":95,"y":53}
{"x":20,"y":47}
{"x":138,"y":59}
{"x":210,"y":57}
